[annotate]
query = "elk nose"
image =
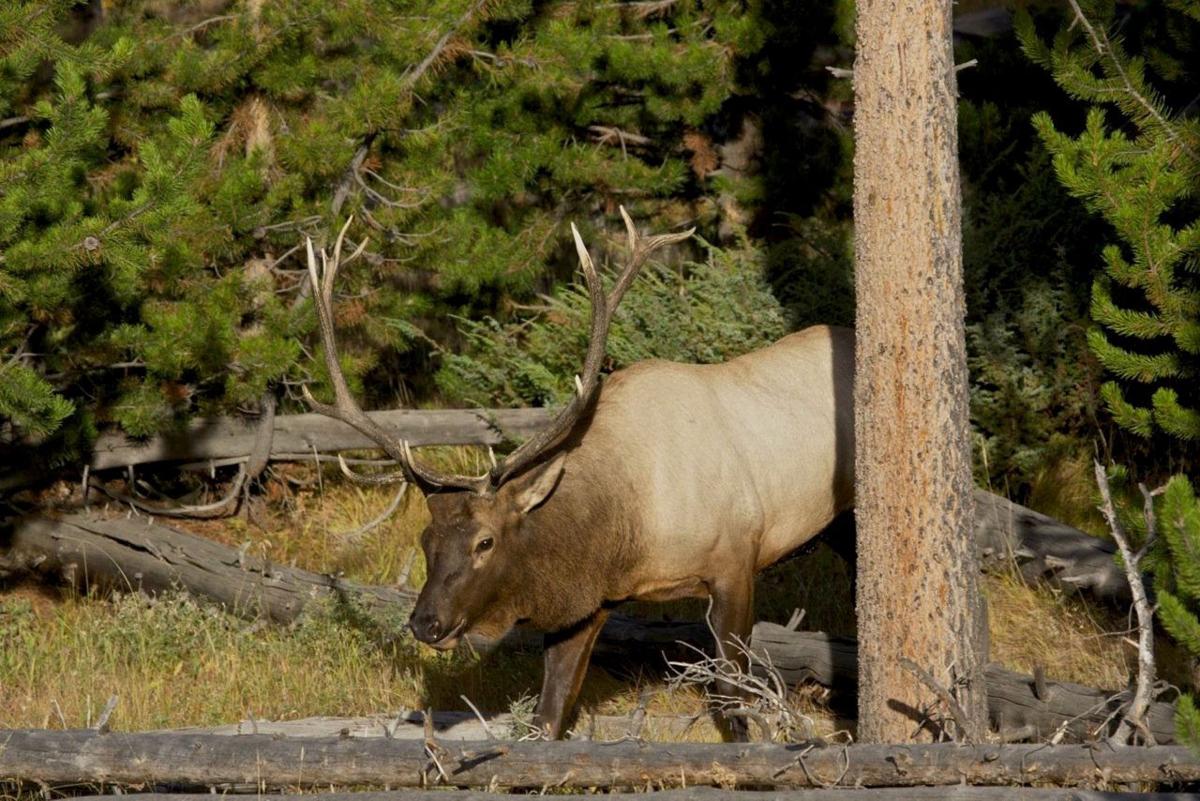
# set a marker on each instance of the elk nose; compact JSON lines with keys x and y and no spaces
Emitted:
{"x":425,"y":626}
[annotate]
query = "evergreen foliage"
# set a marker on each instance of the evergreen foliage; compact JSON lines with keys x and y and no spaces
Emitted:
{"x":1027,"y":255}
{"x":1176,"y":567}
{"x":704,"y":313}
{"x":160,"y":162}
{"x":1140,"y":174}
{"x":1031,"y":394}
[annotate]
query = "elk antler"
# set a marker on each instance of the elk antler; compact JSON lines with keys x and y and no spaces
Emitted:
{"x":345,"y":408}
{"x":587,"y":382}
{"x":348,"y":411}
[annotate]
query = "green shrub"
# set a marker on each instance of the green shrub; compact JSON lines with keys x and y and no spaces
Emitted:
{"x":697,"y":312}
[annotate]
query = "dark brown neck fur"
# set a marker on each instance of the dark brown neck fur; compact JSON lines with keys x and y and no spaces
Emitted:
{"x":580,"y":544}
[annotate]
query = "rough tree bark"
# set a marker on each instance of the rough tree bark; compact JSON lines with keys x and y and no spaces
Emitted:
{"x":917,"y":570}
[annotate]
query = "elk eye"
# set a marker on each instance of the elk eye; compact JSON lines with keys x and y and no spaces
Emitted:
{"x":484,"y":545}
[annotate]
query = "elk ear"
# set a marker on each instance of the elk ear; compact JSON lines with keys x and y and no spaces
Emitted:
{"x":540,"y":484}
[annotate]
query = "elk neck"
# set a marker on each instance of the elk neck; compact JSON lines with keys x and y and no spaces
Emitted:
{"x":581,"y":544}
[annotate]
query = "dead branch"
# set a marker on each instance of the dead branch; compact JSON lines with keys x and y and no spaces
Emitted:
{"x":353,"y":536}
{"x":964,"y":730}
{"x":249,"y":470}
{"x":1134,"y":720}
{"x":222,"y":507}
{"x":764,"y":692}
{"x":101,"y":724}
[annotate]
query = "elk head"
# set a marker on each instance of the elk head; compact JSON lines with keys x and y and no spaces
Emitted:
{"x":473,"y":548}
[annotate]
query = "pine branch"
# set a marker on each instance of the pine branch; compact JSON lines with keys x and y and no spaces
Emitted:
{"x":415,"y":75}
{"x":1104,"y":49}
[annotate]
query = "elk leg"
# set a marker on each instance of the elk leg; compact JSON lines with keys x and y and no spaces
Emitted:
{"x":732,"y":618}
{"x":567,"y":654}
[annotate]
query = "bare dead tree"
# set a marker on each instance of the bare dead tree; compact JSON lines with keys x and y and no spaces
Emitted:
{"x":1133,"y":722}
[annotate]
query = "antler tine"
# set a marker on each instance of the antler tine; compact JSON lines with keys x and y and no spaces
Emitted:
{"x":603,"y":307}
{"x":381,"y":479}
{"x":630,"y":229}
{"x":345,"y":408}
{"x":601,"y":317}
{"x":322,"y":285}
{"x":337,"y":243}
{"x":640,"y":251}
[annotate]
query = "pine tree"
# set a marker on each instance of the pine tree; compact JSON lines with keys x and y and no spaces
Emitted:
{"x":160,"y":162}
{"x":1177,"y":587}
{"x":1139,"y":172}
{"x":1142,"y":176}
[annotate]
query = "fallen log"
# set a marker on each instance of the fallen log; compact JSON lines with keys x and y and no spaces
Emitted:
{"x":265,"y":762}
{"x":453,"y":726}
{"x":1017,"y":702}
{"x":1007,"y":534}
{"x":299,"y":435}
{"x":1043,"y":549}
{"x":955,"y":793}
{"x":137,"y":555}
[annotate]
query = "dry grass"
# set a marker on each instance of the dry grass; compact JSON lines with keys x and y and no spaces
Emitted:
{"x":174,"y":663}
{"x":1072,"y":640}
{"x":1065,"y":489}
{"x":1037,"y":626}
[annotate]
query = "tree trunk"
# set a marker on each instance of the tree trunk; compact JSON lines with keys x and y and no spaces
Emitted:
{"x":917,"y":582}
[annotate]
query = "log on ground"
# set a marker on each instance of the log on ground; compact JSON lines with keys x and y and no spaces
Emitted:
{"x":455,"y":726}
{"x":956,"y":793}
{"x":137,"y":555}
{"x":1042,"y":548}
{"x":1016,"y":701}
{"x":265,"y":762}
{"x":299,"y":434}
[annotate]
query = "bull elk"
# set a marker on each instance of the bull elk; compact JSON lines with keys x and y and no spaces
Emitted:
{"x":665,"y":481}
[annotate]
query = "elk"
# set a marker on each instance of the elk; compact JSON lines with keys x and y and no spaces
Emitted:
{"x":664,"y":481}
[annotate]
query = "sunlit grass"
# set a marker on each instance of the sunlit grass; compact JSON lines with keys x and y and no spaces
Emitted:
{"x":175,"y":663}
{"x":1072,"y":640}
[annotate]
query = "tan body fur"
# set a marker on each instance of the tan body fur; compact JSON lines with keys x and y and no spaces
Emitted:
{"x":684,"y":481}
{"x":734,"y":465}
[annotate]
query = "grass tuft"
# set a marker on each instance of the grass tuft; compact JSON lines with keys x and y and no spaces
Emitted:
{"x":176,"y":663}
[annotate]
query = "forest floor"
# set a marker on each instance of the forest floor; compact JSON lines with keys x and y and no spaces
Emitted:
{"x":175,"y":663}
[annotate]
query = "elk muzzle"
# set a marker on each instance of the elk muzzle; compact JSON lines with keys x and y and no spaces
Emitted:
{"x":429,"y":627}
